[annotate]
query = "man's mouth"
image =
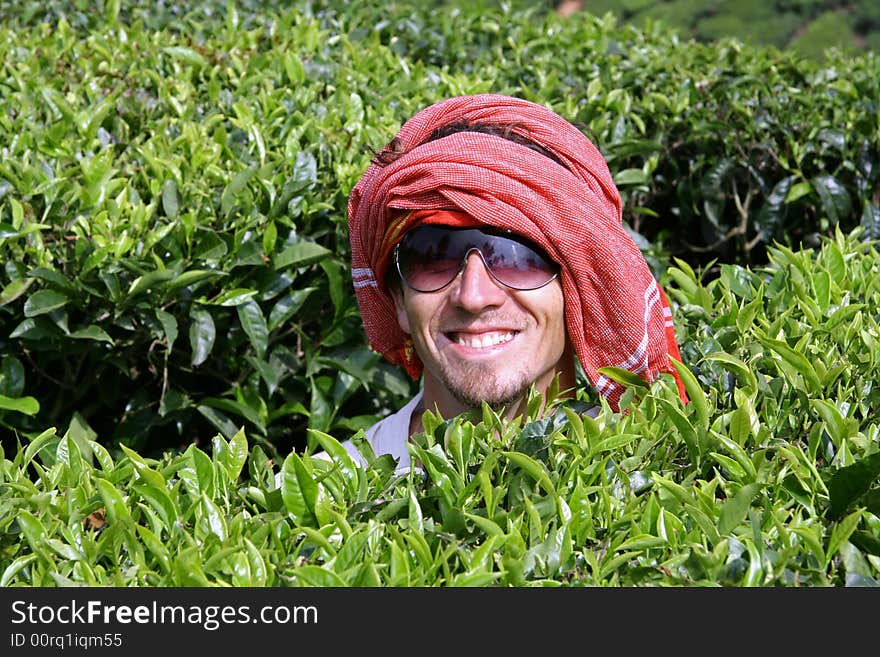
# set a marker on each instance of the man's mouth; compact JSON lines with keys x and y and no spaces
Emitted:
{"x":482,"y":340}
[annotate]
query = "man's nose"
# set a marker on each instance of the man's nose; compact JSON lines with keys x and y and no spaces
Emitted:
{"x":476,"y":289}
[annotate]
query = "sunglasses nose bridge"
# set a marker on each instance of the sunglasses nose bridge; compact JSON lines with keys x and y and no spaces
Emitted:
{"x":464,"y":260}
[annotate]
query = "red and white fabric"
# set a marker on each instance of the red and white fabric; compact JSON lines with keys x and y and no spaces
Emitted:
{"x":616,"y":313}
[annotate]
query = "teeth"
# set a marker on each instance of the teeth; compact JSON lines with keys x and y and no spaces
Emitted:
{"x":484,"y":340}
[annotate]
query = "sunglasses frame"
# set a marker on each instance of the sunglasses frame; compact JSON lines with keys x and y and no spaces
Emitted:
{"x":464,"y":258}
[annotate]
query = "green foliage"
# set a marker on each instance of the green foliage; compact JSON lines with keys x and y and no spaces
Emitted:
{"x":174,"y":181}
{"x":824,"y":33}
{"x":808,"y":26}
{"x":768,"y":477}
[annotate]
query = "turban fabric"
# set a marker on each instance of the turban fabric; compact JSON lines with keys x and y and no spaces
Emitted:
{"x":615,"y":312}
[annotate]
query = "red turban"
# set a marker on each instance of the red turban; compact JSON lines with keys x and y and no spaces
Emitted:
{"x":615,"y":312}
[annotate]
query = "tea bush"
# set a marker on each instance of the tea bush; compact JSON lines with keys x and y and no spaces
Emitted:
{"x":173,"y":184}
{"x":768,"y":477}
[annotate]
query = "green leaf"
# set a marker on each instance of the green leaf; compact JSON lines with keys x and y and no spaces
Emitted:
{"x":160,"y":501}
{"x":536,"y":470}
{"x":301,"y":254}
{"x":793,"y":358}
{"x":26,"y":405}
{"x":191,"y":277}
{"x":835,"y":423}
{"x":236,"y":454}
{"x":836,"y":200}
{"x":154,"y":279}
{"x":743,"y":372}
{"x":14,"y":290}
{"x":849,"y":484}
{"x":169,"y":327}
{"x":34,"y":533}
{"x":685,"y":428}
{"x":38,"y":444}
{"x":170,"y":199}
{"x":631,"y":177}
{"x":201,"y":335}
{"x":15,"y":567}
{"x":114,"y":504}
{"x":234,"y":188}
{"x":254,"y":324}
{"x":841,"y":533}
{"x":735,"y":509}
{"x":154,"y":545}
{"x":196,"y":471}
{"x":236,"y":408}
{"x":234,"y":297}
{"x":299,"y":491}
{"x":187,"y":55}
{"x":694,"y":391}
{"x":625,"y":378}
{"x":317,"y":576}
{"x":288,"y":306}
{"x":92,"y":332}
{"x":44,"y":301}
{"x":339,"y":456}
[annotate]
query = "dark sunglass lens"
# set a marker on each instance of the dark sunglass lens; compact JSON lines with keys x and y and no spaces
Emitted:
{"x":428,"y":258}
{"x":517,"y":265}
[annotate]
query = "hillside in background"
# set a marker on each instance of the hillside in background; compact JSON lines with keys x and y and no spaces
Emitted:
{"x":807,"y":26}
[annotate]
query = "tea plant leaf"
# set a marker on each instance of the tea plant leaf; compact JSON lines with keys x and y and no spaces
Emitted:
{"x":117,"y":510}
{"x":236,"y":455}
{"x":299,"y":491}
{"x":170,"y":199}
{"x":743,"y":372}
{"x":254,"y":324}
{"x":26,"y":405}
{"x":301,"y":254}
{"x":38,"y":444}
{"x":535,"y":469}
{"x":288,"y":306}
{"x":234,"y":188}
{"x":169,"y":327}
{"x":234,"y":297}
{"x":154,"y":545}
{"x":625,"y":377}
{"x":850,"y":483}
{"x":17,"y":565}
{"x":793,"y":358}
{"x":196,"y":471}
{"x":44,"y":301}
{"x":836,"y":201}
{"x":339,"y":456}
{"x":317,"y":576}
{"x":92,"y":332}
{"x":14,"y":290}
{"x":160,"y":501}
{"x":685,"y":428}
{"x":191,"y":277}
{"x":735,"y":509}
{"x":202,"y":334}
{"x":694,"y":391}
{"x":841,"y":533}
{"x":837,"y":426}
{"x":34,"y":533}
{"x":146,"y":282}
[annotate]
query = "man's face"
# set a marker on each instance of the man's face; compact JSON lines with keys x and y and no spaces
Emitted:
{"x":482,"y":341}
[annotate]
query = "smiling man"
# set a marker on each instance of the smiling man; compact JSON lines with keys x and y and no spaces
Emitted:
{"x":488,"y":253}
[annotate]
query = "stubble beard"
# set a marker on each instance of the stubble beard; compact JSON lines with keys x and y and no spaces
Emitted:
{"x":475,"y":383}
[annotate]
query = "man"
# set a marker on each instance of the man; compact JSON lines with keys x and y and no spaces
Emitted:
{"x":488,"y":253}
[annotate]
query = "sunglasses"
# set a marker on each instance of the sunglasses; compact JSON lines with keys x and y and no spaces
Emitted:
{"x":429,"y":258}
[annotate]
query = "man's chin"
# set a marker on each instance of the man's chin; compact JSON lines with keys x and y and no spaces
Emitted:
{"x":496,"y":396}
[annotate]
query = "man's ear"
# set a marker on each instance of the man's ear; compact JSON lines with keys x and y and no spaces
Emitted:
{"x":399,"y":307}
